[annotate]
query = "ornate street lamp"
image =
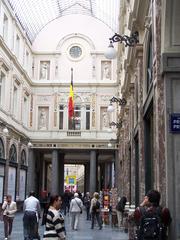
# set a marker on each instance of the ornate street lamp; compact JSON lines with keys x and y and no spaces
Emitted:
{"x":118,"y":125}
{"x":5,"y":129}
{"x":121,"y":101}
{"x":129,"y":41}
{"x":112,"y":142}
{"x":29,"y":144}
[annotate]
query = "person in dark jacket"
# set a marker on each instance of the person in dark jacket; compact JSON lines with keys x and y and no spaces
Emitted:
{"x":87,"y":204}
{"x":120,"y":210}
{"x":150,"y":205}
{"x":95,"y":211}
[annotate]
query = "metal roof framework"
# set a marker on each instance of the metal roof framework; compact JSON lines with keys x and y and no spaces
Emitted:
{"x":34,"y":15}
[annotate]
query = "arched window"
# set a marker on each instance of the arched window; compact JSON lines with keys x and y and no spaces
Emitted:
{"x":1,"y":149}
{"x":23,"y":157}
{"x":13,"y":154}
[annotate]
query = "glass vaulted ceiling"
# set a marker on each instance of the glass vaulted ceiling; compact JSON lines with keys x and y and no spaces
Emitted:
{"x":33,"y":15}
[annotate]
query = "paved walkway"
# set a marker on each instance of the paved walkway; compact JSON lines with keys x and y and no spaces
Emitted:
{"x":84,"y":232}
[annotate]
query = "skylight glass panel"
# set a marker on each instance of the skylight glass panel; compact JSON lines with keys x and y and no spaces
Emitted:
{"x":35,"y":14}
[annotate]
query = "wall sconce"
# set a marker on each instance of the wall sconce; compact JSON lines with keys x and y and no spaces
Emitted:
{"x":121,"y":101}
{"x":118,"y":125}
{"x":29,"y":144}
{"x":129,"y":41}
{"x":4,"y":128}
{"x":111,"y":142}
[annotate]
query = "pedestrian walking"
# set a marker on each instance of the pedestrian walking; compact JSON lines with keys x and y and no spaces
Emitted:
{"x":66,"y":202}
{"x":120,"y":207}
{"x":9,"y":209}
{"x":152,"y":220}
{"x":31,"y":217}
{"x":55,"y":229}
{"x":87,"y":204}
{"x":95,"y":211}
{"x":75,"y":210}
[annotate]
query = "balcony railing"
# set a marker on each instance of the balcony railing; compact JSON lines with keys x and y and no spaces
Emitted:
{"x":73,"y":133}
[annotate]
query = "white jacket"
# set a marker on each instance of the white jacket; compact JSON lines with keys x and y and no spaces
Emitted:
{"x":9,"y":209}
{"x":74,"y":205}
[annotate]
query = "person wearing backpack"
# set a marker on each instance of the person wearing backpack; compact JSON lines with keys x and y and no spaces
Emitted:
{"x":95,"y":211}
{"x":120,"y":210}
{"x":151,"y":219}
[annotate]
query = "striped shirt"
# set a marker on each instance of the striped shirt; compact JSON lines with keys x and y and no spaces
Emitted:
{"x":54,"y":225}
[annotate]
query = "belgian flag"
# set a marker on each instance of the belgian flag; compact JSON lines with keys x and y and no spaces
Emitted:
{"x":71,"y":98}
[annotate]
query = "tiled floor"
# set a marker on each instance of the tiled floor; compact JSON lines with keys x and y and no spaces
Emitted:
{"x":84,"y":232}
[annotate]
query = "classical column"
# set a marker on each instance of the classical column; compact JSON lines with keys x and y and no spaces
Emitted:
{"x":86,"y":180}
{"x":107,"y":180}
{"x":92,"y":180}
{"x":61,"y":173}
{"x":31,"y":178}
{"x":55,"y":174}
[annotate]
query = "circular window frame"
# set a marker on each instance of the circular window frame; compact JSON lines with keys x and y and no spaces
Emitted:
{"x":78,"y":58}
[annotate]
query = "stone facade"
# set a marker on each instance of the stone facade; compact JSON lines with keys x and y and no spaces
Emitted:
{"x":34,"y":89}
{"x":149,"y":151}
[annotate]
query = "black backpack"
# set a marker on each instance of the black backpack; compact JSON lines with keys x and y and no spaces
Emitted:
{"x":150,"y":225}
{"x":96,"y":207}
{"x":121,"y":204}
{"x":119,"y":207}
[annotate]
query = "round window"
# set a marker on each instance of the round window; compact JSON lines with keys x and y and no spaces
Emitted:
{"x":75,"y":52}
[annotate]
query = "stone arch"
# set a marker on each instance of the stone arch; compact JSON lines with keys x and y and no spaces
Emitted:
{"x":77,"y":35}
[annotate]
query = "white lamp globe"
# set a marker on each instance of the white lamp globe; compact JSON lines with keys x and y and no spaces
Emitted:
{"x":110,"y":52}
{"x":109,"y":144}
{"x":29,"y":144}
{"x":110,"y":108}
{"x":5,"y":130}
{"x":109,"y":130}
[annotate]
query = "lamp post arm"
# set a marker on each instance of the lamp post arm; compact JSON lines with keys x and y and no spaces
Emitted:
{"x":122,"y":102}
{"x":129,"y":41}
{"x":118,"y":125}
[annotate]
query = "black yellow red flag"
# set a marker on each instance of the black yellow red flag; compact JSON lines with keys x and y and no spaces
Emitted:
{"x":71,"y":98}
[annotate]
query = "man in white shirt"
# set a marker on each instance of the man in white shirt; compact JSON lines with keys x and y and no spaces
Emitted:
{"x":31,"y":217}
{"x":9,"y":209}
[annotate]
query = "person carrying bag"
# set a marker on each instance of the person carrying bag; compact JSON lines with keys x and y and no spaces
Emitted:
{"x":75,"y":210}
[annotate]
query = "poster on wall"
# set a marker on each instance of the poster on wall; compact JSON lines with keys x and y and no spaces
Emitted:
{"x":22,"y":184}
{"x":12,"y":182}
{"x":1,"y":188}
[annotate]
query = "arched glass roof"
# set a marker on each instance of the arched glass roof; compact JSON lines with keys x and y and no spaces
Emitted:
{"x":33,"y":15}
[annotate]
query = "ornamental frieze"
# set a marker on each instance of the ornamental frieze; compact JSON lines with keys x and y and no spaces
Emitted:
{"x":44,"y":98}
